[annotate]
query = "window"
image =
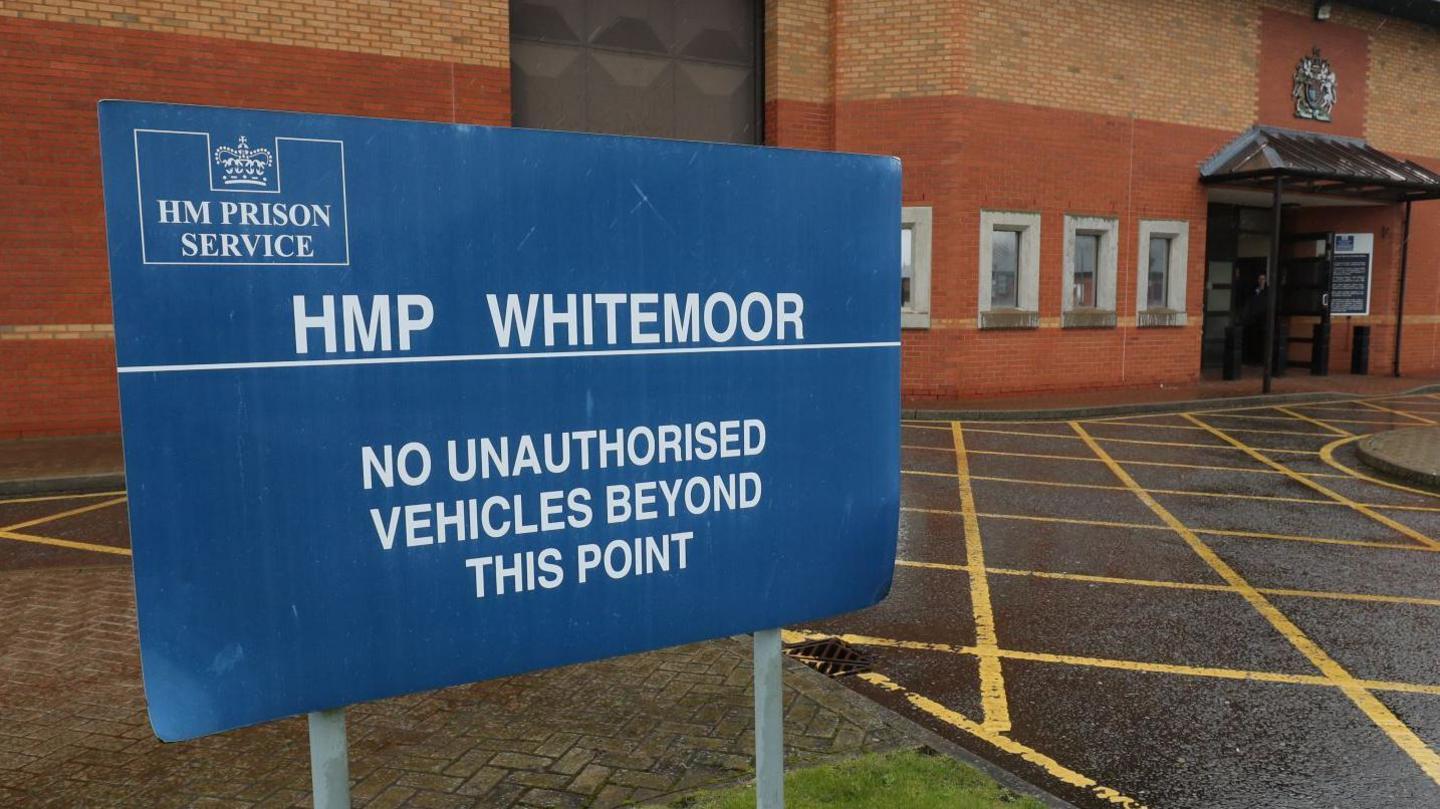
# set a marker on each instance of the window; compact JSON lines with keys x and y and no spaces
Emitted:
{"x":1160,"y":281}
{"x":915,"y":268}
{"x":1009,"y":270}
{"x":1082,"y":282}
{"x":1159,"y":275}
{"x":1088,"y":295}
{"x":1004,"y":269}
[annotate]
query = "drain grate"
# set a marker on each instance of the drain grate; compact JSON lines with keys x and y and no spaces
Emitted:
{"x":830,"y":656}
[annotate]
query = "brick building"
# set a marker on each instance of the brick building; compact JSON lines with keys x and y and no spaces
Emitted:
{"x":1058,"y":235}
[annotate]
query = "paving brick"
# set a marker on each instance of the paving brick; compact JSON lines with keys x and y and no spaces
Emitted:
{"x":75,"y":730}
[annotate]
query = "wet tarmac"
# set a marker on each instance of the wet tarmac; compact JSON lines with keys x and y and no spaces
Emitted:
{"x":1214,"y":609}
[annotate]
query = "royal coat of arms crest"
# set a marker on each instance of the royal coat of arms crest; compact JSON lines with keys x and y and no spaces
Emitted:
{"x":1314,"y":90}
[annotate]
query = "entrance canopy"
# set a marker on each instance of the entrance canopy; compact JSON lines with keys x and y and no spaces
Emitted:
{"x":1316,"y":163}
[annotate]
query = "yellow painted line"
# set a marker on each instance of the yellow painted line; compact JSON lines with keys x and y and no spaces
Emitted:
{"x":1407,"y":415}
{"x":63,"y":543}
{"x":1332,"y":429}
{"x":1285,"y":418}
{"x":1140,"y":441}
{"x":1025,"y":433}
{"x":1327,"y":454}
{"x":1360,"y":508}
{"x":1197,"y":429}
{"x":1376,"y":598}
{"x":1383,"y":717}
{"x":1313,"y":501}
{"x":1169,"y":464}
{"x":955,"y":719}
{"x":42,"y":498}
{"x":70,"y":513}
{"x":1223,"y":532}
{"x":1144,"y":666}
{"x":992,"y":680}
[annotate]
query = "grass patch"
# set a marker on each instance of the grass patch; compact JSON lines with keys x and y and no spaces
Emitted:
{"x":900,"y":780}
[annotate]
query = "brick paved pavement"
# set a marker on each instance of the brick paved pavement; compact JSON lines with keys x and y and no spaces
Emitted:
{"x":73,"y":730}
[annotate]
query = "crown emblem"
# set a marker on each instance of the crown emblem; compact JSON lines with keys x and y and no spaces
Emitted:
{"x":1314,"y":89}
{"x":242,"y":164}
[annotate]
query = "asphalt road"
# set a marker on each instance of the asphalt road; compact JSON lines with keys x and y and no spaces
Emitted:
{"x":1212,"y":609}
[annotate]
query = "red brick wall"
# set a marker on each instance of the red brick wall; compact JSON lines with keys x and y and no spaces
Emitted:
{"x":1284,"y":40}
{"x":962,"y":155}
{"x":52,"y":228}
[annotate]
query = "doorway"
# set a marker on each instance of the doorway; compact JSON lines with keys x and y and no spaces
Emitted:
{"x":1237,"y":251}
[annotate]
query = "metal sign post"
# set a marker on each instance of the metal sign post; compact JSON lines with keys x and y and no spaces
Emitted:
{"x":329,"y":760}
{"x":769,"y":722}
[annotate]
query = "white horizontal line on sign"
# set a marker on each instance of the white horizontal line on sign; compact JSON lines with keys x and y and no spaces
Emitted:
{"x":539,"y":355}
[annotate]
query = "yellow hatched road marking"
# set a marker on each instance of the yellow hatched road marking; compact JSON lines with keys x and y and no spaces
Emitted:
{"x":1148,"y":667}
{"x":1297,"y":414}
{"x":1180,"y":585}
{"x":1254,"y":416}
{"x":70,"y":513}
{"x":1141,"y":441}
{"x":1197,"y":429}
{"x":954,"y":718}
{"x":1314,"y":501}
{"x":1169,"y":464}
{"x":1407,"y":415}
{"x":1383,"y":717}
{"x":1223,"y":532}
{"x":63,"y":543}
{"x":1327,"y":454}
{"x":1321,"y":488}
{"x":42,"y":498}
{"x":992,"y":679}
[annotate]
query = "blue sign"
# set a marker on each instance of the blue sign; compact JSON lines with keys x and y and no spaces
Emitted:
{"x":407,"y":405}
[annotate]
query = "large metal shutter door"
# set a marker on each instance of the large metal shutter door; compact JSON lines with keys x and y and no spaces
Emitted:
{"x":662,"y":68}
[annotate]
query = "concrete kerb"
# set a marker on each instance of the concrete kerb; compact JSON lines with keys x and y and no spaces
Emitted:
{"x":1146,"y":408}
{"x":1394,"y":453}
{"x":820,"y":688}
{"x":66,"y":484}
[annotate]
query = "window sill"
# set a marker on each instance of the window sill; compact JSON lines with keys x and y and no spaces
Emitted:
{"x":1087,"y":319}
{"x":1160,"y":319}
{"x":1009,"y":319}
{"x":914,"y":320}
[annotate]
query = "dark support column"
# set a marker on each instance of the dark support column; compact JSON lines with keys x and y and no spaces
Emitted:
{"x":1404,"y":263}
{"x":1272,"y":280}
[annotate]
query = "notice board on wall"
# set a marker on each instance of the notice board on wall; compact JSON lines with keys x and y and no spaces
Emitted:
{"x":1350,"y":273}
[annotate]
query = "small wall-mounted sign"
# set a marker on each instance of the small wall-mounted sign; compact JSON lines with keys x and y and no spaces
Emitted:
{"x":1314,"y":90}
{"x":1350,"y":278}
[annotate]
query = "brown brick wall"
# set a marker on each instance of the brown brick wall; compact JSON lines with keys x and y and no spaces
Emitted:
{"x":897,"y":49}
{"x":475,"y":32}
{"x":799,"y":51}
{"x":1404,"y":113}
{"x":1186,"y":61}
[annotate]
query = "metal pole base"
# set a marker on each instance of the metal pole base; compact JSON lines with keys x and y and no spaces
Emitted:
{"x":769,"y":723}
{"x":329,"y":760}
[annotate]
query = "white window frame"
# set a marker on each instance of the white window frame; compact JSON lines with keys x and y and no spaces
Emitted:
{"x":917,"y":314}
{"x":1108,"y":229}
{"x":1028,"y":226}
{"x":1173,"y":313}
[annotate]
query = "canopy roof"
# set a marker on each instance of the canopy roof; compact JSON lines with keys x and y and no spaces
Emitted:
{"x":1316,"y":163}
